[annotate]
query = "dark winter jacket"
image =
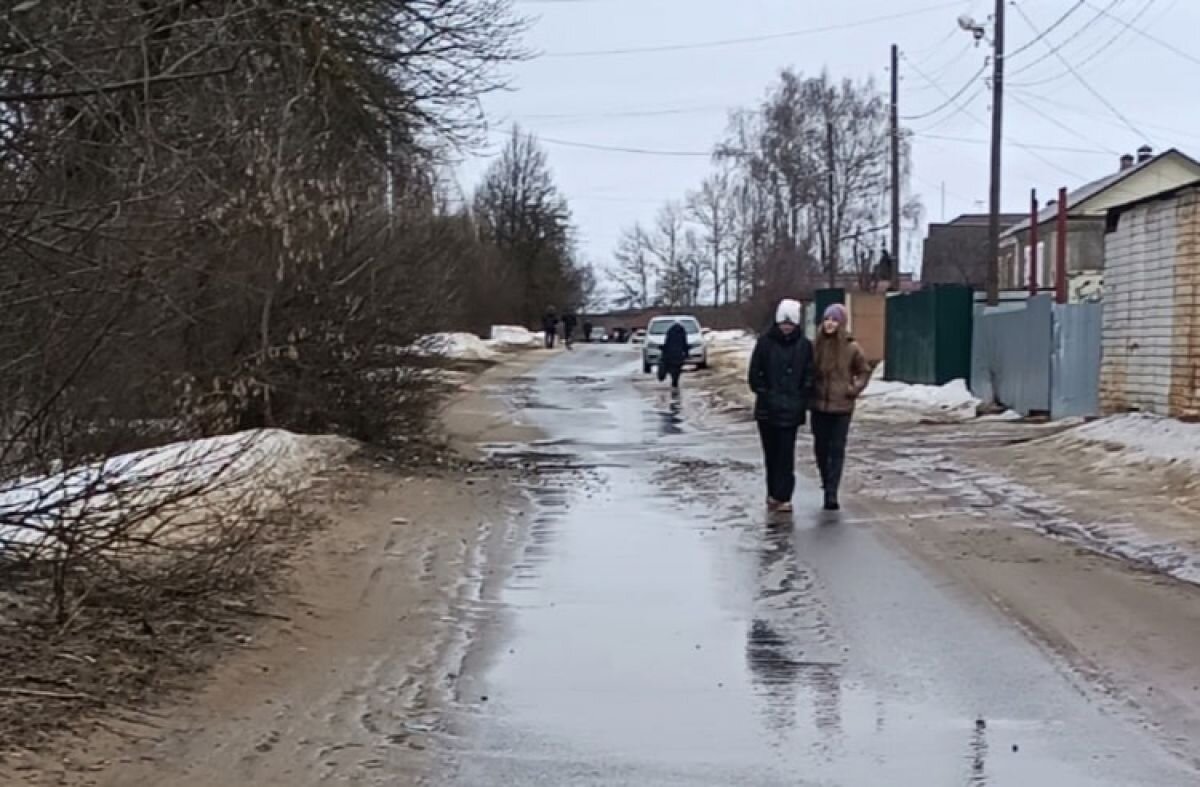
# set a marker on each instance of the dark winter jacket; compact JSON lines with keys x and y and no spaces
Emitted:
{"x":549,"y":322}
{"x":675,"y":346}
{"x":781,"y":373}
{"x":841,"y":374}
{"x":569,"y":322}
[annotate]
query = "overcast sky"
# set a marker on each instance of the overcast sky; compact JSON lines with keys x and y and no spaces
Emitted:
{"x":1130,"y":89}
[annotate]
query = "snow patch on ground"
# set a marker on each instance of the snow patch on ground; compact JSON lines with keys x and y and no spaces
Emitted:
{"x":1140,"y":438}
{"x":893,"y":401}
{"x":457,"y":347}
{"x":176,"y":486}
{"x":515,"y":336}
{"x":732,"y":339}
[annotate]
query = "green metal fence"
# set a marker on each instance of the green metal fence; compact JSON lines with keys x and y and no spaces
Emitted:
{"x":929,"y":335}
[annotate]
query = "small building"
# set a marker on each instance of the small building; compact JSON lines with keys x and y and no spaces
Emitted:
{"x":1087,"y":210}
{"x":956,"y":252}
{"x":1152,"y":306}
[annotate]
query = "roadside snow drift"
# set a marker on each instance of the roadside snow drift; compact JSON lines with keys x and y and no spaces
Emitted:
{"x":1139,"y":438}
{"x":457,"y":347}
{"x":165,"y":494}
{"x":901,"y":402}
{"x":515,"y":337}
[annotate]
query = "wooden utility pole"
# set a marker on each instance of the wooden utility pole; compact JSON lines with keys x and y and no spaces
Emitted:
{"x":834,"y":241}
{"x":895,"y":282}
{"x":993,"y":271}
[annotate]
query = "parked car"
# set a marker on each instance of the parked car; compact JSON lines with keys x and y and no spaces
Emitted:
{"x":656,"y":335}
{"x":600,"y":334}
{"x":638,"y":336}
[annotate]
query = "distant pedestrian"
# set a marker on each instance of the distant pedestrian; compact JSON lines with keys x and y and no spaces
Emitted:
{"x":569,"y":322}
{"x":587,"y":331}
{"x":781,"y":370}
{"x":550,"y":326}
{"x":842,"y":374}
{"x":674,"y":354}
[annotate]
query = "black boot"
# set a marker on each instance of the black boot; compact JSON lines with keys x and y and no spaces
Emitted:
{"x":831,"y":499}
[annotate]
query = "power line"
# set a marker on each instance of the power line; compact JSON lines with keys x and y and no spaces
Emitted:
{"x":1100,"y":50}
{"x":1057,"y":24}
{"x":1055,"y":121}
{"x":1149,"y":37}
{"x":621,"y":149}
{"x":950,"y":99}
{"x":755,"y":39}
{"x":1031,"y":146}
{"x":1054,"y":50}
{"x":974,"y":118}
{"x":1079,"y":77}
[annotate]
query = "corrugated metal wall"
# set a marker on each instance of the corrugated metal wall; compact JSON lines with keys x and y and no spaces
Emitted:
{"x":1010,"y":361}
{"x":1075,"y":362}
{"x":1039,"y":357}
{"x":1152,"y":309}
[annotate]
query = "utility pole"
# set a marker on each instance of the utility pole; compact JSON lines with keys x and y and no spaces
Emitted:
{"x":993,"y":271}
{"x":834,"y":241}
{"x":895,"y":282}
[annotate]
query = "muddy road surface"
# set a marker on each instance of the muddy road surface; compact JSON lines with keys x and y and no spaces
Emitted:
{"x":623,"y":611}
{"x":660,"y":628}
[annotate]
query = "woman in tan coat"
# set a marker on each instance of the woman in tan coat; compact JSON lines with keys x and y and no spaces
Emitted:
{"x":841,"y":376}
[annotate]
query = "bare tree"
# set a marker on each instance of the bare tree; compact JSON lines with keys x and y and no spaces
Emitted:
{"x":522,"y":213}
{"x":712,"y":208}
{"x":635,"y":276}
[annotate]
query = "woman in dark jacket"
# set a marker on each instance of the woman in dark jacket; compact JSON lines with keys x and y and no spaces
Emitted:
{"x":842,"y":375}
{"x":781,"y":372}
{"x":674,"y":354}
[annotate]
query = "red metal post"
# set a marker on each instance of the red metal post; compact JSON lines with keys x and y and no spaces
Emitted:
{"x":1060,"y":254}
{"x":1033,"y":243}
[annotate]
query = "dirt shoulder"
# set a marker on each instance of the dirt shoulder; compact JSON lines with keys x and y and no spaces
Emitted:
{"x":341,"y":675}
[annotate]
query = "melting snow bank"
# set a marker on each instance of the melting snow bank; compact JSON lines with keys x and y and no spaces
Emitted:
{"x":901,"y":402}
{"x":456,"y":346}
{"x":1141,"y":438}
{"x":516,"y":337}
{"x":179,"y":491}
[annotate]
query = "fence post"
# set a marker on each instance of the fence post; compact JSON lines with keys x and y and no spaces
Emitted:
{"x":1060,"y":256}
{"x":1033,"y":243}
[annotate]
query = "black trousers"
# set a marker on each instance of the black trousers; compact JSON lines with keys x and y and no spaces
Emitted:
{"x":670,"y":370}
{"x":779,"y":457}
{"x":551,"y":334}
{"x":830,"y":433}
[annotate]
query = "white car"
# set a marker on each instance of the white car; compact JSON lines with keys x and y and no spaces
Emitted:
{"x":656,"y":335}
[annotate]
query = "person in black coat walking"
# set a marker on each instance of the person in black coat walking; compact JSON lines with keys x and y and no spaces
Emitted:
{"x":674,"y":354}
{"x":550,"y":326}
{"x":781,"y":376}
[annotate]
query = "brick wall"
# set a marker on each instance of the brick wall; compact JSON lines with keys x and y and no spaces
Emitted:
{"x":1152,"y":309}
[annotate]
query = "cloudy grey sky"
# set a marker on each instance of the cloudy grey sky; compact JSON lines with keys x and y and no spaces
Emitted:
{"x":1083,"y":87}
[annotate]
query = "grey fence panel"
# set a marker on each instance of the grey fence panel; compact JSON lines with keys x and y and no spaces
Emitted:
{"x":1011,"y":352}
{"x":1076,"y":360}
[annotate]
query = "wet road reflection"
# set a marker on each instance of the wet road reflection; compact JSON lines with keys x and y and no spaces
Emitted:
{"x":660,"y":629}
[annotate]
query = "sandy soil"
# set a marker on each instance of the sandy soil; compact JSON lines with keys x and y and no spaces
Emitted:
{"x":341,"y":682}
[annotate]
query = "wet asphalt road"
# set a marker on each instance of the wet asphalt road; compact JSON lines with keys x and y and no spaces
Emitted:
{"x":660,"y":629}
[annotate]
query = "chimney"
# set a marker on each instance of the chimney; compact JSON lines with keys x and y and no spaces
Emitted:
{"x":1126,"y":162}
{"x":1145,"y":153}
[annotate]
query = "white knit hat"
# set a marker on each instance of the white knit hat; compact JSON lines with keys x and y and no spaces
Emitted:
{"x":788,"y":311}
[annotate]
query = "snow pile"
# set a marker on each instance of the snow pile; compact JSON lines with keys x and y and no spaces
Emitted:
{"x":457,"y":347}
{"x":722,"y":339}
{"x":893,"y":401}
{"x":1142,"y":438}
{"x":515,"y":336}
{"x":169,"y":489}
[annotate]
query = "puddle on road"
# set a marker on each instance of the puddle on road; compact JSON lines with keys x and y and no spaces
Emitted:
{"x":659,"y":630}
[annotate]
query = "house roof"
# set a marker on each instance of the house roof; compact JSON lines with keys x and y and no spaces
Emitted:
{"x":1134,"y":203}
{"x":1097,"y":187}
